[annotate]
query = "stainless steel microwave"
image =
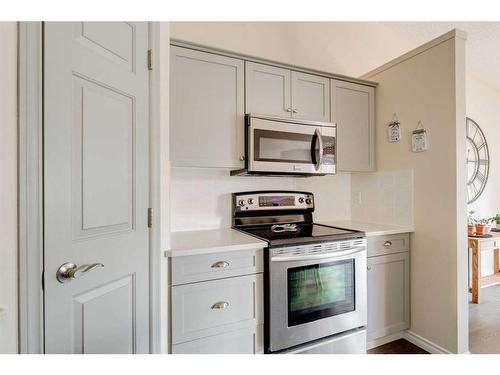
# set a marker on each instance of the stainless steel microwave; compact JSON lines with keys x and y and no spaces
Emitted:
{"x":284,"y":146}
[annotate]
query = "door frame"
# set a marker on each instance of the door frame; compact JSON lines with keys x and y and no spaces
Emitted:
{"x":30,"y":179}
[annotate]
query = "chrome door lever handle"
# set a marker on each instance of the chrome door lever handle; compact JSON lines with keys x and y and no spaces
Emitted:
{"x":69,"y":271}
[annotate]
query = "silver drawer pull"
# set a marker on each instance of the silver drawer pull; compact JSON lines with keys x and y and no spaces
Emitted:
{"x":220,"y":305}
{"x":387,"y":243}
{"x":220,"y":264}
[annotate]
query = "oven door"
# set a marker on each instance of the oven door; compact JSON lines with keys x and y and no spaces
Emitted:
{"x":285,"y":146}
{"x":315,"y":296}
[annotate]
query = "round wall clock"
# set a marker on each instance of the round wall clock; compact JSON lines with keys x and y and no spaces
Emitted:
{"x":478,"y":160}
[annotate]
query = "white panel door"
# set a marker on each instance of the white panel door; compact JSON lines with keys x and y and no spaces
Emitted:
{"x":310,"y":97}
{"x":206,"y":109}
{"x":267,"y":90}
{"x":353,"y":110}
{"x":96,"y":187}
{"x":388,"y":295}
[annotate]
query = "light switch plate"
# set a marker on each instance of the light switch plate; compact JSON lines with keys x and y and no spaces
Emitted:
{"x":357,"y":197}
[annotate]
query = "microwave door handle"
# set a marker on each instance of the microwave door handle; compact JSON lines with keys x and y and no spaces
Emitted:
{"x":317,"y":137}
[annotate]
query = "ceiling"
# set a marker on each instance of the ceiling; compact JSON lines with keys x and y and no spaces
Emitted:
{"x":482,"y":48}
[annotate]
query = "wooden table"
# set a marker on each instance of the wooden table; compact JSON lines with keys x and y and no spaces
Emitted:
{"x":477,"y":245}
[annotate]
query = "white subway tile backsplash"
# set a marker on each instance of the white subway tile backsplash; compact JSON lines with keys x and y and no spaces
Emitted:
{"x":387,"y":197}
{"x":200,"y":198}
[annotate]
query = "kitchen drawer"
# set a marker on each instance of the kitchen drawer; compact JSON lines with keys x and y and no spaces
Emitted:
{"x":243,"y":341}
{"x":188,"y":269}
{"x":389,"y":244}
{"x":214,"y":307}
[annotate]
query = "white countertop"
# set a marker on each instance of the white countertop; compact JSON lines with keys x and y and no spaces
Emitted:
{"x":371,"y":229}
{"x":211,"y":241}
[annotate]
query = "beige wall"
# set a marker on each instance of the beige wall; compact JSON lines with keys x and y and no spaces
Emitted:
{"x":430,"y":86}
{"x":8,"y":187}
{"x":349,"y":48}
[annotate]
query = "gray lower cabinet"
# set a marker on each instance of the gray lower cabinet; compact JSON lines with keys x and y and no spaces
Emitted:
{"x":388,"y":286}
{"x":243,"y":341}
{"x":223,"y":313}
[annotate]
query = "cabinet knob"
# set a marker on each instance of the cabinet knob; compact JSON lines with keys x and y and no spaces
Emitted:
{"x":368,"y":268}
{"x":220,"y":305}
{"x":294,"y":111}
{"x":289,"y":110}
{"x":220,"y":264}
{"x":242,"y":158}
{"x":387,"y":243}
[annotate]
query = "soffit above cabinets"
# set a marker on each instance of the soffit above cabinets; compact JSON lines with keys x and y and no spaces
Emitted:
{"x":198,"y":47}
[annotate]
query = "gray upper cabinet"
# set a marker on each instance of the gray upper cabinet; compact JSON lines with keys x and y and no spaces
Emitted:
{"x":267,"y":90}
{"x":285,"y":93}
{"x":353,"y":110}
{"x":310,"y":97}
{"x":206,"y":109}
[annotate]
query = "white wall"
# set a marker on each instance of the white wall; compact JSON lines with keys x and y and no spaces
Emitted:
{"x":483,"y":106}
{"x":8,"y":187}
{"x":429,"y":85}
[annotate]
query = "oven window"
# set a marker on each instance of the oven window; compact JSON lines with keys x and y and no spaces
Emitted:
{"x":282,"y":147}
{"x":320,"y":291}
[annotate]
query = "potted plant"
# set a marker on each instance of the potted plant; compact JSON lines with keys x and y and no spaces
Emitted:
{"x":496,"y":220}
{"x":471,"y":223}
{"x":483,"y":226}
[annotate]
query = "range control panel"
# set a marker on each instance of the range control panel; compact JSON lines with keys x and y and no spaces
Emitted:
{"x":273,"y":201}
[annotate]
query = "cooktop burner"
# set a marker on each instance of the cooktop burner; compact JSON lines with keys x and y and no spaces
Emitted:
{"x":297,"y":233}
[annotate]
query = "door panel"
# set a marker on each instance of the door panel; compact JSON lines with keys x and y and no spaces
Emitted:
{"x":115,"y":41}
{"x":103,"y":168}
{"x":267,"y":90}
{"x":353,"y":110}
{"x":310,"y":97}
{"x":96,"y":188}
{"x":96,"y":310}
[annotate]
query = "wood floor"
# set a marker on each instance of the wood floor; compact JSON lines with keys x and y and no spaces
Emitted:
{"x":484,"y":322}
{"x":400,"y":346}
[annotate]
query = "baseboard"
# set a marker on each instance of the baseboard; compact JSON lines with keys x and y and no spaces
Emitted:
{"x":425,"y":344}
{"x":384,"y":340}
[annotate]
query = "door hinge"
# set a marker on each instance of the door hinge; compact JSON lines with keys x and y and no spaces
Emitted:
{"x":150,"y":59}
{"x":43,"y":280}
{"x":150,"y":217}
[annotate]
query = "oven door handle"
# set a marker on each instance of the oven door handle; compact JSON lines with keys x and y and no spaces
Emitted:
{"x":336,"y":254}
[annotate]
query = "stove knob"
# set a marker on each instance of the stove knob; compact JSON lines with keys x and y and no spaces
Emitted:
{"x":308,"y":201}
{"x":241,"y":202}
{"x":301,"y":200}
{"x":250,"y":200}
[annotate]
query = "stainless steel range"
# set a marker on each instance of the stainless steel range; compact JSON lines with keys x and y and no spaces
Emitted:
{"x":315,"y":289}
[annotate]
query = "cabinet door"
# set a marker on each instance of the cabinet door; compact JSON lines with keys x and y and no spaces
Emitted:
{"x":310,"y":97}
{"x":388,"y":295}
{"x":267,"y":90}
{"x":353,"y":110}
{"x":244,"y":341}
{"x":206,"y":109}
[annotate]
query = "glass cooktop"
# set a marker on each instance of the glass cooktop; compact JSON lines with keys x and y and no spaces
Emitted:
{"x":299,"y":233}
